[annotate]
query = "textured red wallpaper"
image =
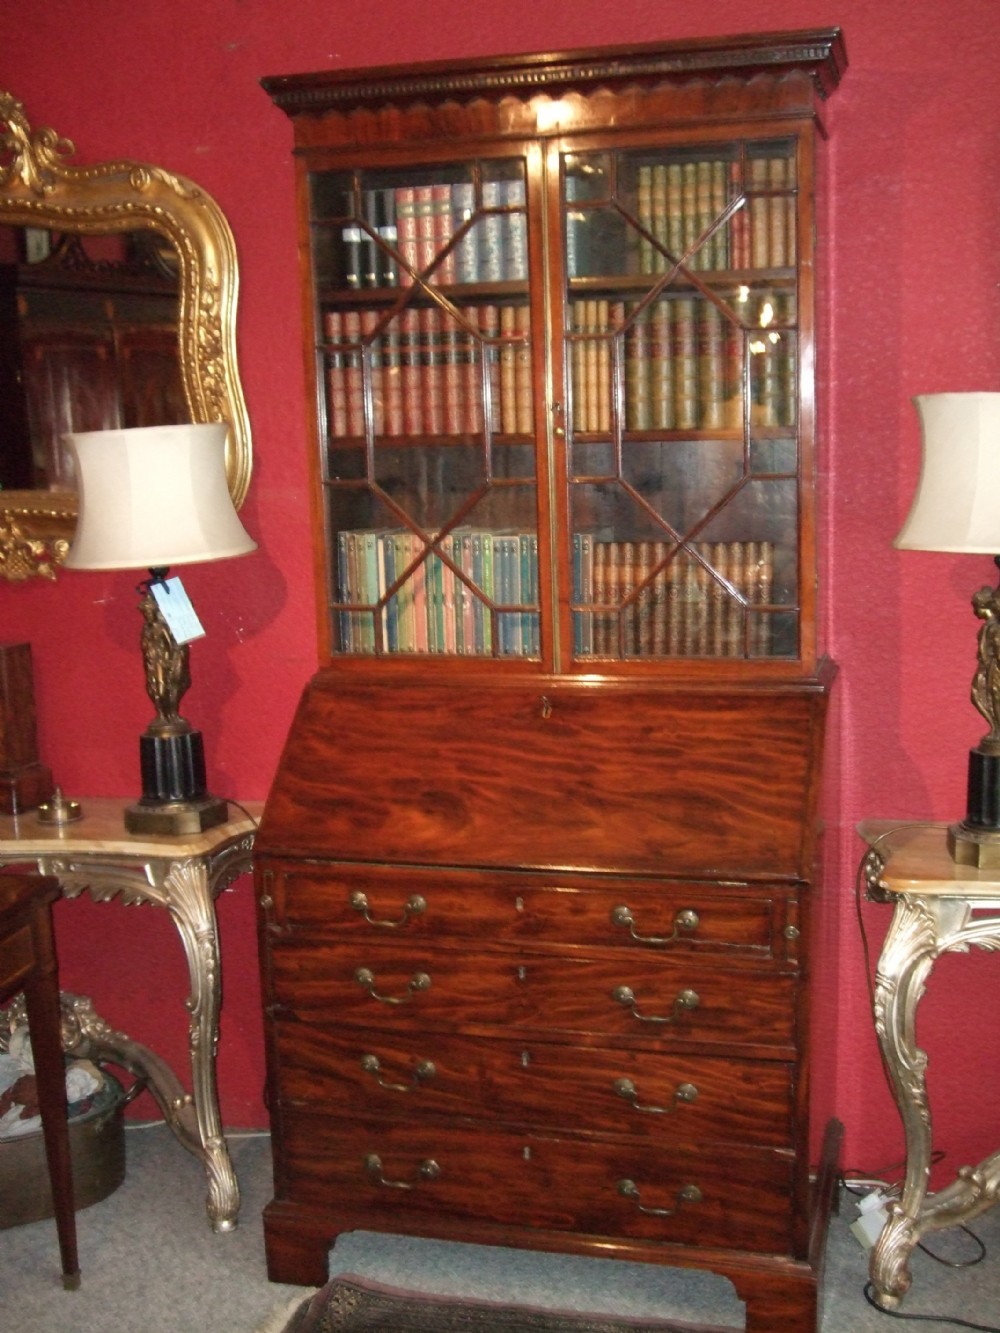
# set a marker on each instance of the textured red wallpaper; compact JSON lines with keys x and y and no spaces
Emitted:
{"x":911,"y":276}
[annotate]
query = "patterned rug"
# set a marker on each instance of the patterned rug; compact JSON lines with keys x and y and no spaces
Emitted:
{"x":348,"y":1305}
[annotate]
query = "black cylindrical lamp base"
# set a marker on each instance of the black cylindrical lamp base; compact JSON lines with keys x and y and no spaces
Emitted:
{"x":976,"y":841}
{"x":175,"y":798}
{"x":983,"y":796}
{"x":173,"y":767}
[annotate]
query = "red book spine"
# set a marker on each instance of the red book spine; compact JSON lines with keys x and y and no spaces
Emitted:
{"x":739,"y":224}
{"x":441,"y":210}
{"x":354,"y":380}
{"x":392,"y":375}
{"x":432,"y":369}
{"x":454,"y":407}
{"x":470,"y":379}
{"x":406,"y":232}
{"x":336,"y":390}
{"x":409,"y":357}
{"x":489,"y":324}
{"x":522,"y":370}
{"x":373,"y":356}
{"x":424,"y":208}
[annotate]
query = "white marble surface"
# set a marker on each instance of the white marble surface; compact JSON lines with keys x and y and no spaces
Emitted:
{"x":101,"y":829}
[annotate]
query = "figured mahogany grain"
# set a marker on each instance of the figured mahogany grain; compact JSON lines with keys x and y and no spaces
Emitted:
{"x":532,"y":1081}
{"x":540,"y":1179}
{"x":719,"y":785}
{"x":322,"y":901}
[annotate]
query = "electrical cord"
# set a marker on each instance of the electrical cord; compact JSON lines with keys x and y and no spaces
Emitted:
{"x":255,"y":822}
{"x":869,"y":1294}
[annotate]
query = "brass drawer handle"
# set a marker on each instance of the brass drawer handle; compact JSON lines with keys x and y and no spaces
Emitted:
{"x":686,"y":1000}
{"x":365,"y":978}
{"x":428,"y":1170}
{"x":423,"y":1072}
{"x":685,"y":922}
{"x":415,"y":904}
{"x":628,"y":1189}
{"x":684,"y":1092}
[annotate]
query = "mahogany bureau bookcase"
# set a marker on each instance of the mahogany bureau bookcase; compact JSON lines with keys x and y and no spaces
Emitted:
{"x":535,"y":873}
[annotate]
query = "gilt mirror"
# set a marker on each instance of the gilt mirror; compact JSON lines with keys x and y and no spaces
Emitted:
{"x":105,"y":237}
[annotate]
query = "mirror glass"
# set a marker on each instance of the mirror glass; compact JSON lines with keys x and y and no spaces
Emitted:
{"x":88,"y":341}
{"x":118,"y":286}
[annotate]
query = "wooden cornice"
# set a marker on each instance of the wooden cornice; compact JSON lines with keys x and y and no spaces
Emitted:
{"x":820,"y":53}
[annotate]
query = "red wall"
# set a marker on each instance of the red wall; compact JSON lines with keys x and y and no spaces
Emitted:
{"x":911,"y":243}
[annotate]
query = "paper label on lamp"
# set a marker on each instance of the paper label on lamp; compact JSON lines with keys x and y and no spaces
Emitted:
{"x":176,"y":609}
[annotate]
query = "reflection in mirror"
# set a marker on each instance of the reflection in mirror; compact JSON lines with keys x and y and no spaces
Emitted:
{"x":116,"y":223}
{"x":88,"y":341}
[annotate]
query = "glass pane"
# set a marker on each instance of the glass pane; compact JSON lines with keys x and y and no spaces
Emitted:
{"x":447,"y":224}
{"x":654,"y":598}
{"x":596,"y":232}
{"x":439,"y":547}
{"x":430,"y":466}
{"x":474,"y":591}
{"x":594,"y":347}
{"x":723,"y":207}
{"x":680,"y":207}
{"x":770,"y":182}
{"x":773,"y":360}
{"x":683,"y":358}
{"x":681,"y":372}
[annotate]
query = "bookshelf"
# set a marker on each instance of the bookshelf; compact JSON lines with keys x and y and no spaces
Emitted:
{"x":545,"y":822}
{"x":620,"y":325}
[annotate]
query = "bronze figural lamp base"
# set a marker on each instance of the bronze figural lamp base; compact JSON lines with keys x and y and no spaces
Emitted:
{"x":976,"y":840}
{"x":175,"y":798}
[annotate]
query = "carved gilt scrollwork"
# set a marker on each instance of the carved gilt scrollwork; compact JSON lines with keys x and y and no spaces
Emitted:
{"x":923,"y":927}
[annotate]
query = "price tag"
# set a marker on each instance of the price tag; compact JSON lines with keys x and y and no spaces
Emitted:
{"x":176,"y":609}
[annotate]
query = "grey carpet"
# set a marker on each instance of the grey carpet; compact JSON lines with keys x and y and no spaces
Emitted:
{"x":151,"y":1264}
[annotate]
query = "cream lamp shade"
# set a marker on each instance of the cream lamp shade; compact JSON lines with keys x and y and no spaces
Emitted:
{"x":957,"y":504}
{"x":154,"y":496}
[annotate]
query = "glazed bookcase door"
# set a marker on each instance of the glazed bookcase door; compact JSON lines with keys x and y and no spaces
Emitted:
{"x":681,"y":333}
{"x":577,"y":444}
{"x":424,"y":353}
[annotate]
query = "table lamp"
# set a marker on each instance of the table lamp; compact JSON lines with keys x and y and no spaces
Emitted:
{"x":154,"y":497}
{"x":957,"y":509}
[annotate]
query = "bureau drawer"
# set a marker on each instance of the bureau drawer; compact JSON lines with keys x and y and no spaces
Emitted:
{"x":675,"y":1098}
{"x":367,"y":1171}
{"x":456,"y":906}
{"x":634,"y":998}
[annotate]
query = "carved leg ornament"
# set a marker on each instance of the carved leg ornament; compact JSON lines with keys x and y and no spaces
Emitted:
{"x":922,"y":928}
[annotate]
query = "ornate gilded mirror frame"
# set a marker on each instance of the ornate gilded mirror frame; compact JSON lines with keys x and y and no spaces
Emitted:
{"x":38,"y":188}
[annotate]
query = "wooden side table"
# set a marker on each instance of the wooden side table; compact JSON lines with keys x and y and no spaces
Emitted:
{"x":28,"y":964}
{"x":938,"y":907}
{"x":94,"y":854}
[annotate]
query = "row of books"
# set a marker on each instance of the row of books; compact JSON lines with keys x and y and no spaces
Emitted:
{"x":678,"y":202}
{"x":408,"y":227}
{"x":477,"y":594}
{"x":687,"y":365}
{"x":647,"y":599}
{"x":426,"y":373}
{"x":420,"y":601}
